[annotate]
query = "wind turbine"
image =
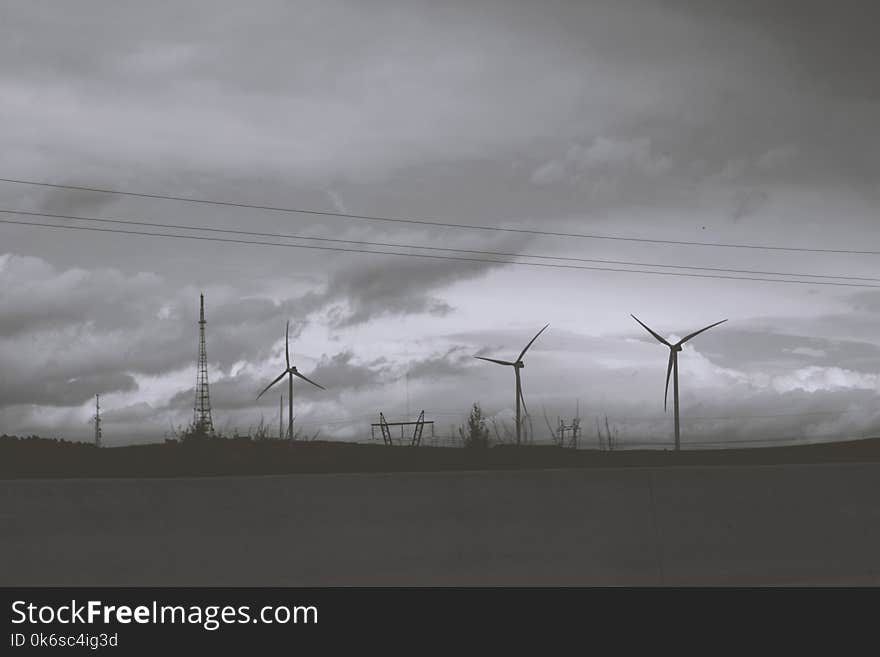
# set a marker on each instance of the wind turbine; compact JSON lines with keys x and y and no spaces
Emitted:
{"x":291,"y":372}
{"x":673,"y":368}
{"x":517,"y":365}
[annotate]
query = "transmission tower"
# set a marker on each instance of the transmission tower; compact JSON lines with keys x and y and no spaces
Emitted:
{"x":576,"y":426}
{"x":573,"y":429}
{"x":97,"y":420}
{"x":202,"y":422}
{"x":418,"y":429}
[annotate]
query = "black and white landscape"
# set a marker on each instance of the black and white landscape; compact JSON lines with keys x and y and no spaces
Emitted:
{"x":371,"y":194}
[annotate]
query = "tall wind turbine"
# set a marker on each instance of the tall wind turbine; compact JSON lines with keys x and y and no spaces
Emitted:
{"x":517,"y":365}
{"x":291,"y":372}
{"x":673,"y":369}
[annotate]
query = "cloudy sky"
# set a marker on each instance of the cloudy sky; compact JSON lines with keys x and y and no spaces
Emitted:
{"x":740,"y":122}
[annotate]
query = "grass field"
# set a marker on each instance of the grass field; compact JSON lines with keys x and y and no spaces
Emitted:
{"x":776,"y":524}
{"x":40,"y":458}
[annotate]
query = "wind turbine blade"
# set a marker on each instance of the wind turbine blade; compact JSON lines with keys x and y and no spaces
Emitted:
{"x":523,"y":352}
{"x":287,"y":344}
{"x":280,"y":376}
{"x":492,"y":360}
{"x":668,"y":373}
{"x":305,"y":378}
{"x":696,"y":333}
{"x":651,"y":331}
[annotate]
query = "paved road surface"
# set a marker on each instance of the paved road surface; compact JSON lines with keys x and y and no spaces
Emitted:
{"x":742,"y":526}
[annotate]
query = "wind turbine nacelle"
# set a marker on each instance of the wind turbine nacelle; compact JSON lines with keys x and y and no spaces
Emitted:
{"x":519,"y":364}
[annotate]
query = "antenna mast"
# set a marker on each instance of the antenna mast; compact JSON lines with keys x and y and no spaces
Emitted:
{"x":202,"y":422}
{"x":97,"y":419}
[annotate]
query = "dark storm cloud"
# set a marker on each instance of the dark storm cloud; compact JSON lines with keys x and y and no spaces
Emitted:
{"x":129,"y":414}
{"x":340,"y":374}
{"x":849,"y":331}
{"x":613,"y":103}
{"x":49,"y":387}
{"x":775,"y":351}
{"x":507,"y":343}
{"x":37,"y":297}
{"x":834,"y":43}
{"x":612,"y":170}
{"x":747,"y":202}
{"x":251,"y":329}
{"x":191,"y":92}
{"x":451,"y":364}
{"x":72,"y":202}
{"x":699,"y":81}
{"x":80,"y":321}
{"x":69,"y":334}
{"x":868,"y":302}
{"x":395,"y":287}
{"x":230,"y":393}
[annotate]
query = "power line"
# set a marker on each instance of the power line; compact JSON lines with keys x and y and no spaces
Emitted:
{"x":803,"y":440}
{"x":501,"y":254}
{"x":777,"y":415}
{"x":742,"y":417}
{"x":632,"y":419}
{"x":427,"y":222}
{"x":357,"y":419}
{"x":433,"y":257}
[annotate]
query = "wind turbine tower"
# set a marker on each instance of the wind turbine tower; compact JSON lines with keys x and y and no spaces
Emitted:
{"x":517,"y":365}
{"x":672,"y":368}
{"x":202,"y":422}
{"x":290,"y":371}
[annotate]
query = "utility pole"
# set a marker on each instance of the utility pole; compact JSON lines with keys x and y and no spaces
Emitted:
{"x":202,"y":422}
{"x":97,"y":420}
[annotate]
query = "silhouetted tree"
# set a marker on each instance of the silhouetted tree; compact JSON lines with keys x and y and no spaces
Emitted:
{"x":261,"y":432}
{"x":476,"y":435}
{"x":609,"y":440}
